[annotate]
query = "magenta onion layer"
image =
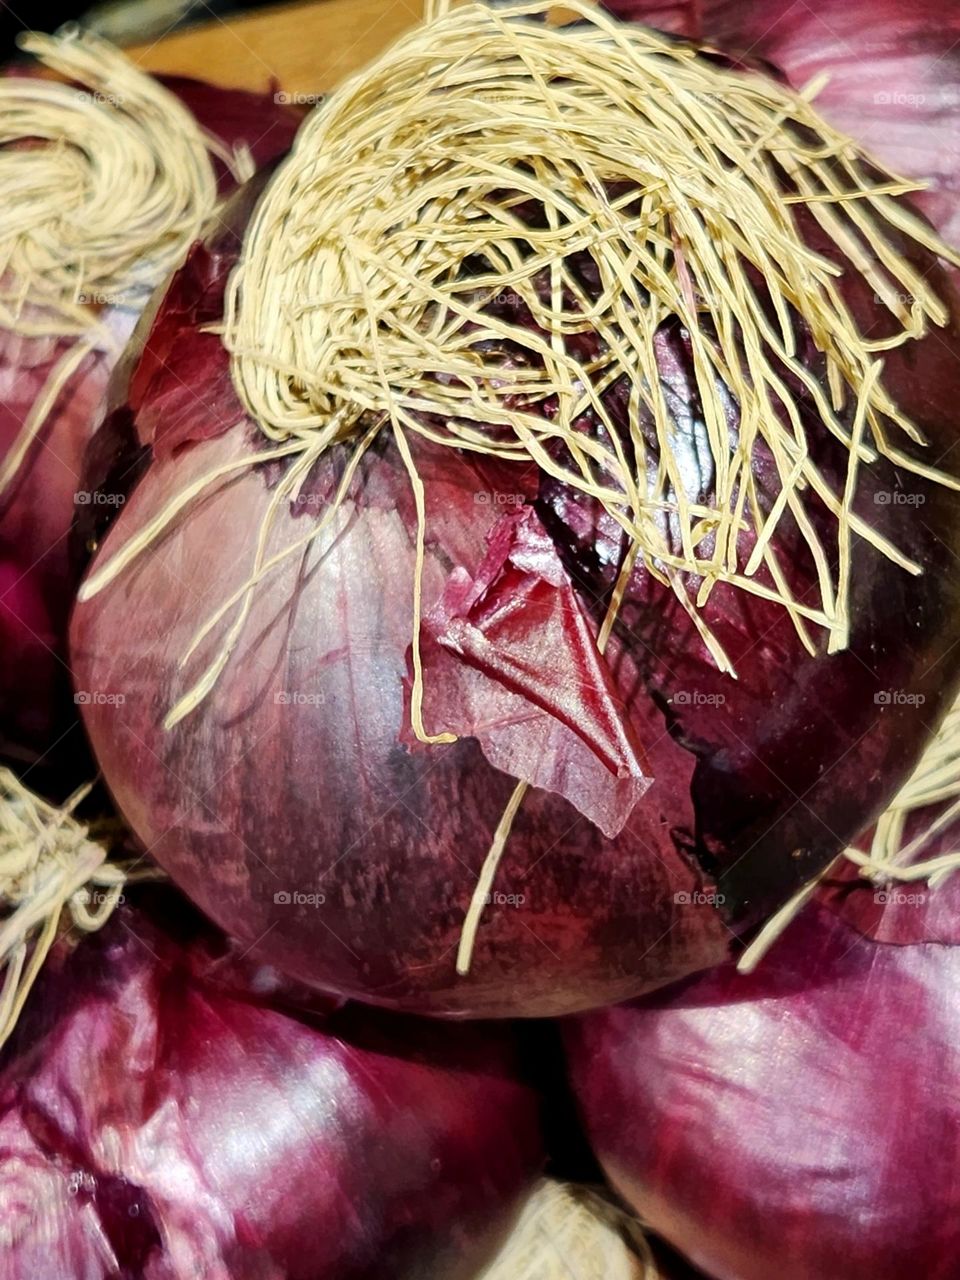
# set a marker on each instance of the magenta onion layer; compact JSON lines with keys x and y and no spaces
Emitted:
{"x":299,"y":773}
{"x":893,"y":72}
{"x":801,"y":1122}
{"x":161,"y":1118}
{"x":39,"y":565}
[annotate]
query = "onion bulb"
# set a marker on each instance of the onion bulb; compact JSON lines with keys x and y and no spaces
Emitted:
{"x":800,"y":1121}
{"x":168,"y":1111}
{"x":513,"y":627}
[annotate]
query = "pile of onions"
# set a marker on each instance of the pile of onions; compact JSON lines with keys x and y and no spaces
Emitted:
{"x":524,"y":581}
{"x":166,"y":1113}
{"x":430,"y":695}
{"x":108,"y":179}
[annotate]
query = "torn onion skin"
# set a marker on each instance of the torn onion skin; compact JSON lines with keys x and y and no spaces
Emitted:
{"x":163,"y":1116}
{"x":299,"y":772}
{"x":39,"y":563}
{"x":801,"y":1121}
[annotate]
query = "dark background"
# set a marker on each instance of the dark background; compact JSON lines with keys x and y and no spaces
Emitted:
{"x":124,"y":21}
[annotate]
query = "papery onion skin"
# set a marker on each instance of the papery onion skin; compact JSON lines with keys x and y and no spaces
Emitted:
{"x":300,"y":763}
{"x":901,"y":911}
{"x":800,"y":1122}
{"x":161,"y":1119}
{"x":893,"y":73}
{"x":39,"y":566}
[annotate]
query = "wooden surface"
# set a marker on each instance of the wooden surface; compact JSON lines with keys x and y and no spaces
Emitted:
{"x":308,"y":48}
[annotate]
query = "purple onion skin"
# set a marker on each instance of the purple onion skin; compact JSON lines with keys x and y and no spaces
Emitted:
{"x":162,"y":1119}
{"x":39,"y":564}
{"x":802,"y":1122}
{"x":900,"y":912}
{"x":297,"y":773}
{"x":894,"y":73}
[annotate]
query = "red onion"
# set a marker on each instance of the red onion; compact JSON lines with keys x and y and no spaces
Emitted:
{"x":39,"y":568}
{"x":299,"y":774}
{"x":799,"y":1122}
{"x":163,"y":1119}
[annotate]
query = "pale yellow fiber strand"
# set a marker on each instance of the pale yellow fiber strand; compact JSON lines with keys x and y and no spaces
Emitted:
{"x":49,"y":864}
{"x":471,"y":923}
{"x":61,"y":373}
{"x":106,"y":181}
{"x":778,"y":922}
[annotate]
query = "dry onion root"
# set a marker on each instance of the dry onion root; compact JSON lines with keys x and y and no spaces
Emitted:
{"x":362,"y":303}
{"x":570,"y":1231}
{"x":351,"y":310}
{"x":106,"y":181}
{"x":49,"y":864}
